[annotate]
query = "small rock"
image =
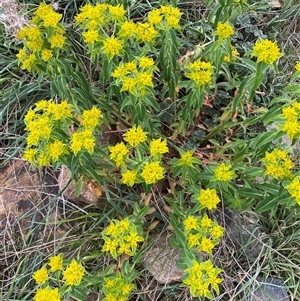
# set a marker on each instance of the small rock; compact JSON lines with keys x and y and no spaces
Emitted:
{"x":20,"y":187}
{"x":269,"y":289}
{"x":24,"y":194}
{"x":160,"y":261}
{"x":90,"y":193}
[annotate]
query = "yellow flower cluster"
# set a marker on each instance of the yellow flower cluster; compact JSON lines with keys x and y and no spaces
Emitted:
{"x":165,"y":17}
{"x":186,"y":159}
{"x":201,"y":278}
{"x":297,"y":66}
{"x":152,"y":172}
{"x":278,"y":164}
{"x":158,"y":147}
{"x":72,"y":275}
{"x":141,"y":169}
{"x":49,"y":118}
{"x":224,"y":173}
{"x":40,"y":276}
{"x":202,"y":233}
{"x":121,"y":237}
{"x":135,"y":76}
{"x":294,"y":189}
{"x":199,"y":72}
{"x":117,"y":288}
{"x":118,"y":153}
{"x":96,"y":21}
{"x":291,"y":114}
{"x":266,"y":51}
{"x":208,"y":198}
{"x":224,"y":30}
{"x":135,"y":136}
{"x":48,"y":294}
{"x":43,"y":38}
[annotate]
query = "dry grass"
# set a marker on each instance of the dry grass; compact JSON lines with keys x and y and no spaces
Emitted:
{"x":11,"y":16}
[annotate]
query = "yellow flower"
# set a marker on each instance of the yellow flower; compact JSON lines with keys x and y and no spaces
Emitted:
{"x":158,"y":147}
{"x":51,"y":19}
{"x":60,"y":111}
{"x":46,"y":55}
{"x":47,"y":294}
{"x":129,"y":84}
{"x":200,"y":277}
{"x":117,"y":12}
{"x":152,"y":172}
{"x":33,"y":33}
{"x":112,"y":229}
{"x":186,"y":159}
{"x":266,"y":51}
{"x":206,"y":245}
{"x":55,"y":263}
{"x":88,"y":140}
{"x":278,"y":164}
{"x":205,"y":222}
{"x":124,"y":248}
{"x":292,"y":128}
{"x":190,"y":223}
{"x":40,"y":276}
{"x":146,"y":62}
{"x":30,"y":154}
{"x":111,"y":47}
{"x":294,"y":189}
{"x":22,"y":33}
{"x":21,"y":54}
{"x":57,"y":41}
{"x":145,"y":32}
{"x":73,"y":273}
{"x":76,"y":143}
{"x":129,"y":177}
{"x":124,"y":225}
{"x":110,"y":246}
{"x":91,"y":36}
{"x":224,"y":30}
{"x":193,"y":240}
{"x":56,"y":149}
{"x":208,"y":198}
{"x":130,"y":66}
{"x":173,"y":22}
{"x":29,"y":63}
{"x":127,"y":30}
{"x":43,"y":159}
{"x":297,"y":67}
{"x":224,"y":173}
{"x":144,"y":79}
{"x":120,"y":72}
{"x":35,"y":45}
{"x":135,"y":136}
{"x":290,"y":113}
{"x":90,"y":118}
{"x":200,"y":72}
{"x":133,"y":238}
{"x":217,"y":232}
{"x":154,"y":16}
{"x":118,"y":153}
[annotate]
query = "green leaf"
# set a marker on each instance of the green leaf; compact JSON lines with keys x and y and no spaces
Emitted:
{"x":266,"y":204}
{"x":271,"y":115}
{"x":251,"y":193}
